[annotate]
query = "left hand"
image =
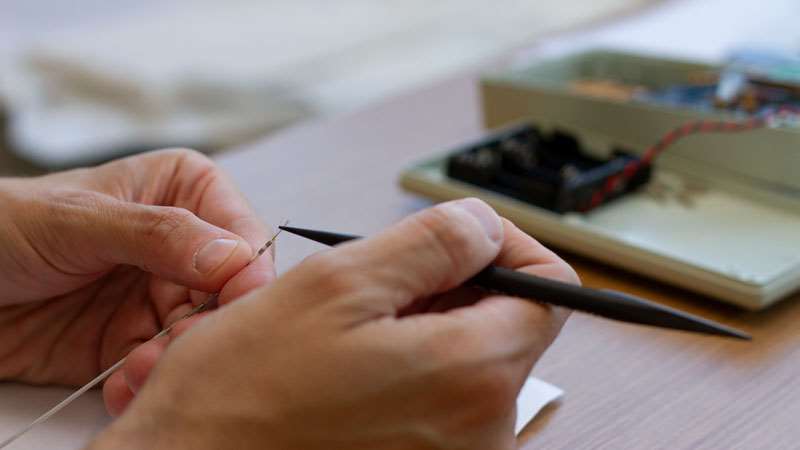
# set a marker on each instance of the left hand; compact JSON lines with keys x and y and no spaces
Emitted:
{"x":97,"y":261}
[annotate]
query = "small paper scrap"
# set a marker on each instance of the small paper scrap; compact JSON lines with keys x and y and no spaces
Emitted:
{"x":535,"y":395}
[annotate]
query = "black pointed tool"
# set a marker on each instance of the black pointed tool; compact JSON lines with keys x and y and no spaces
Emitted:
{"x":601,"y":302}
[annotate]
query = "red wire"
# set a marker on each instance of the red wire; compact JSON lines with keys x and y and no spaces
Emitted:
{"x":694,"y":127}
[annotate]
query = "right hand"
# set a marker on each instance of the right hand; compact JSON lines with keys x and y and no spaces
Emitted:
{"x":371,"y":345}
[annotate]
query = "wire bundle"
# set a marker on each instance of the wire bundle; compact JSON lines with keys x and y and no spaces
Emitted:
{"x":769,"y":119}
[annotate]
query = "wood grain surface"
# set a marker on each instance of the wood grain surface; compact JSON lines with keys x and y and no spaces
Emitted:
{"x":627,"y":387}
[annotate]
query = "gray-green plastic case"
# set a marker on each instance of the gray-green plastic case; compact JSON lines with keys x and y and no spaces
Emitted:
{"x":721,"y":216}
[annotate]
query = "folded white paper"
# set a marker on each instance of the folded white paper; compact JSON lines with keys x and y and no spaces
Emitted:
{"x":535,"y":395}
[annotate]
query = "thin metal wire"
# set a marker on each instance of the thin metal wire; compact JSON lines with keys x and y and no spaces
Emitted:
{"x":208,"y":304}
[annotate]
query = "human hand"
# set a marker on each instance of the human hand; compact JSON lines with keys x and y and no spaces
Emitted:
{"x":371,"y":345}
{"x":96,"y":261}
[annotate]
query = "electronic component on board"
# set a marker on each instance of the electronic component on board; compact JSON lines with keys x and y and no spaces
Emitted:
{"x":551,"y":170}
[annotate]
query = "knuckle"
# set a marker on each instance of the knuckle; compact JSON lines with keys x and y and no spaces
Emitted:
{"x":446,"y":235}
{"x":199,"y":168}
{"x":570,"y":275}
{"x":186,"y":154}
{"x":121,"y":169}
{"x":166,"y":224}
{"x":193,"y":161}
{"x":329,"y":274}
{"x":442,"y":349}
{"x":322,"y":264}
{"x":197,"y":159}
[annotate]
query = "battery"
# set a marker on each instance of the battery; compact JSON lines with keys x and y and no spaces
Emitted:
{"x":549,"y":170}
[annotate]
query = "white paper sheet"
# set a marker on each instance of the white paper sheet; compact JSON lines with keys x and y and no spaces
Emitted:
{"x":535,"y":395}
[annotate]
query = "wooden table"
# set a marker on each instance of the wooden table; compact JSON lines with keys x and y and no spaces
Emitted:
{"x":627,"y":387}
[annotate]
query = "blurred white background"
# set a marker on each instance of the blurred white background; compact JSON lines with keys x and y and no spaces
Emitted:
{"x":84,"y":79}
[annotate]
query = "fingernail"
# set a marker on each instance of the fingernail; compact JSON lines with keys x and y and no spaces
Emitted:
{"x":486,"y":216}
{"x":213,"y":255}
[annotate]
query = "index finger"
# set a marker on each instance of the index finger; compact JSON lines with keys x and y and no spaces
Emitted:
{"x":214,"y":198}
{"x":519,"y":329}
{"x":198,"y":185}
{"x":223,"y":205}
{"x":522,"y":252}
{"x":531,"y":324}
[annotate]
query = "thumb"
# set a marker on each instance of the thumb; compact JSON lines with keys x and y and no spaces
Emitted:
{"x":427,"y":253}
{"x":170,"y":242}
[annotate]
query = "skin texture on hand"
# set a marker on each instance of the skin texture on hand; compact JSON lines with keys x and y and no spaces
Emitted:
{"x":370,"y":345}
{"x":96,"y":261}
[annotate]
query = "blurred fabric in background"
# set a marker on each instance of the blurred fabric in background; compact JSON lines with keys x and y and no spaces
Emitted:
{"x":84,"y":81}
